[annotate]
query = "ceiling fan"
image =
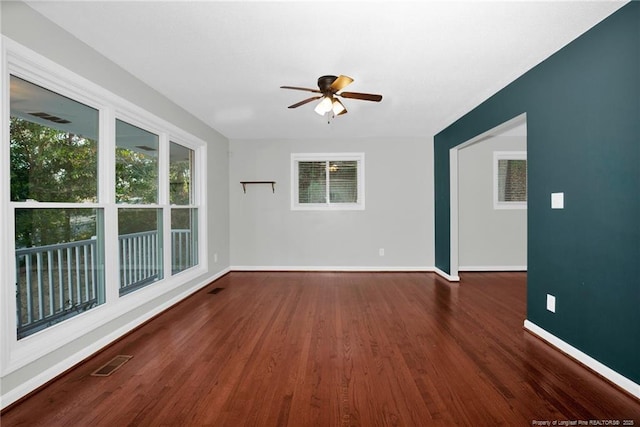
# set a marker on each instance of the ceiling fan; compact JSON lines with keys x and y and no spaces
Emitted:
{"x":330,"y":88}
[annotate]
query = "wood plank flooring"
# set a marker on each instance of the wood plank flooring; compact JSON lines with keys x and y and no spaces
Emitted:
{"x":334,"y":349}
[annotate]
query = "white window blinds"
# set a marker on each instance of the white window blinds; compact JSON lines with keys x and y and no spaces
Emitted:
{"x":331,"y":181}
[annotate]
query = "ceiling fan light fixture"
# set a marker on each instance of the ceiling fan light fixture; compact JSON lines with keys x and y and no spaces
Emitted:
{"x":330,"y":88}
{"x":337,"y":107}
{"x":324,"y":106}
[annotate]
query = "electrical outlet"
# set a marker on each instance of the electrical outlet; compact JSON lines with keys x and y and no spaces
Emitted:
{"x":551,"y":303}
{"x":215,"y":257}
{"x":381,"y":251}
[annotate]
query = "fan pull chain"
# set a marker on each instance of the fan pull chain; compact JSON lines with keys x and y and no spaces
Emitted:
{"x":330,"y":115}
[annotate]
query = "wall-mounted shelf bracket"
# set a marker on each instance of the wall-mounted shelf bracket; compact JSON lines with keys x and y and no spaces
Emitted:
{"x":244,"y":184}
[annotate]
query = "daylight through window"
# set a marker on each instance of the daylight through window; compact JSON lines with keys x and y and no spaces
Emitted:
{"x":328,"y":181}
{"x":510,"y":180}
{"x":54,"y":177}
{"x":64,"y":180}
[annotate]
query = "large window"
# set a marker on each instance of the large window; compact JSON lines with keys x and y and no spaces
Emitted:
{"x":510,"y":180}
{"x":54,"y":183}
{"x":78,"y":187}
{"x":327,"y":181}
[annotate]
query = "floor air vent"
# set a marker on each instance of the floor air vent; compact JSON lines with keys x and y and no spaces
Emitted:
{"x":111,"y":366}
{"x":216,"y":290}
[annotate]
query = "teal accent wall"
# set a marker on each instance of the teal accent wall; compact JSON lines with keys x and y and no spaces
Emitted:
{"x":583,"y":139}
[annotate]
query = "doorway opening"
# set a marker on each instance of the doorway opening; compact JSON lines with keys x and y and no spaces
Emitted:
{"x":485,"y":235}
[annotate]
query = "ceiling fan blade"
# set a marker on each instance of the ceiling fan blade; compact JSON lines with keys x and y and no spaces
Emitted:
{"x":362,"y":96}
{"x":300,"y":88}
{"x":340,"y":83}
{"x":296,"y":105}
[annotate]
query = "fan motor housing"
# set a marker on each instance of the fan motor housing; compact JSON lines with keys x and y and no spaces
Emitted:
{"x":325,"y":82}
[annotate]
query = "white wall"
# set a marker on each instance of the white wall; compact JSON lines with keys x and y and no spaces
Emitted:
{"x":489,"y":239}
{"x":23,"y":25}
{"x":266,"y":233}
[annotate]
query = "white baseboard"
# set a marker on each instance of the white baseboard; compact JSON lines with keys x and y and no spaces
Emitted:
{"x":381,"y":269}
{"x":330,"y":268}
{"x":33,"y":383}
{"x":493,"y":268}
{"x":608,"y":373}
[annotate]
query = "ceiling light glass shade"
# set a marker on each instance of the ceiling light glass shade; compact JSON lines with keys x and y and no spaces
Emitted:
{"x":324,"y":106}
{"x":337,"y":107}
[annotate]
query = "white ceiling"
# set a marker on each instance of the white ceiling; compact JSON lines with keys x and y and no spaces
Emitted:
{"x":225,"y":61}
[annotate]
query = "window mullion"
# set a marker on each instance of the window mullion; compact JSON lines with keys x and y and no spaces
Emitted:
{"x":106,"y":197}
{"x":163,"y":170}
{"x":327,"y":182}
{"x":106,"y":156}
{"x":163,"y":200}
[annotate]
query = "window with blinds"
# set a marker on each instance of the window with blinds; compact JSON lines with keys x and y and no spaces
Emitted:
{"x":327,"y":181}
{"x":510,"y":180}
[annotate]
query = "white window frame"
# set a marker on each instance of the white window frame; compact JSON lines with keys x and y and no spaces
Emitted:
{"x":22,"y":62}
{"x":506,"y":155}
{"x":296,"y":158}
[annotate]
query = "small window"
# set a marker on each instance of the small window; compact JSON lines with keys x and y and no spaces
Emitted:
{"x":327,"y":181}
{"x":510,"y":180}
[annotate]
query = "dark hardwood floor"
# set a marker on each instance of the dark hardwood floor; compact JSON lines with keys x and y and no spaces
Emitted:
{"x":331,"y":349}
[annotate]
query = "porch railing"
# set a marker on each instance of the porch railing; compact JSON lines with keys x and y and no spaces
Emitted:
{"x":55,"y":282}
{"x":139,"y":260}
{"x":183,"y":253}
